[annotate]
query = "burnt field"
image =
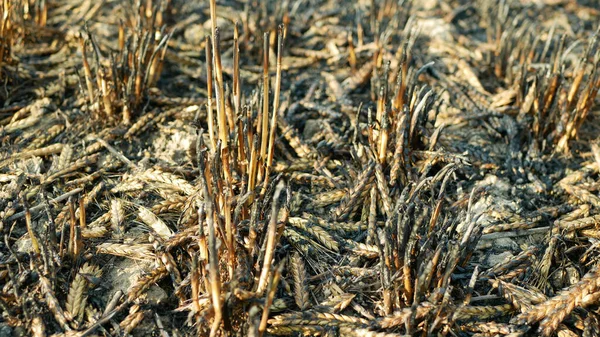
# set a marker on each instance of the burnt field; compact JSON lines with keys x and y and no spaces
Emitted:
{"x":261,"y":168}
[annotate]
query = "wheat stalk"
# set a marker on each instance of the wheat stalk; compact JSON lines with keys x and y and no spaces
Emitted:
{"x":362,"y":249}
{"x":271,"y":242}
{"x":132,"y":320}
{"x":145,"y":282}
{"x":154,"y":222}
{"x":38,"y":329}
{"x":94,"y":232}
{"x":169,"y":179}
{"x":143,"y":252}
{"x":53,"y":304}
{"x":470,"y":312}
{"x":581,"y":194}
{"x":300,"y":285}
{"x":553,"y":311}
{"x":77,"y":296}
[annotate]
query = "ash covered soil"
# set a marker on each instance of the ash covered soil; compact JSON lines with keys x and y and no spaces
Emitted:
{"x":257,"y":168}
